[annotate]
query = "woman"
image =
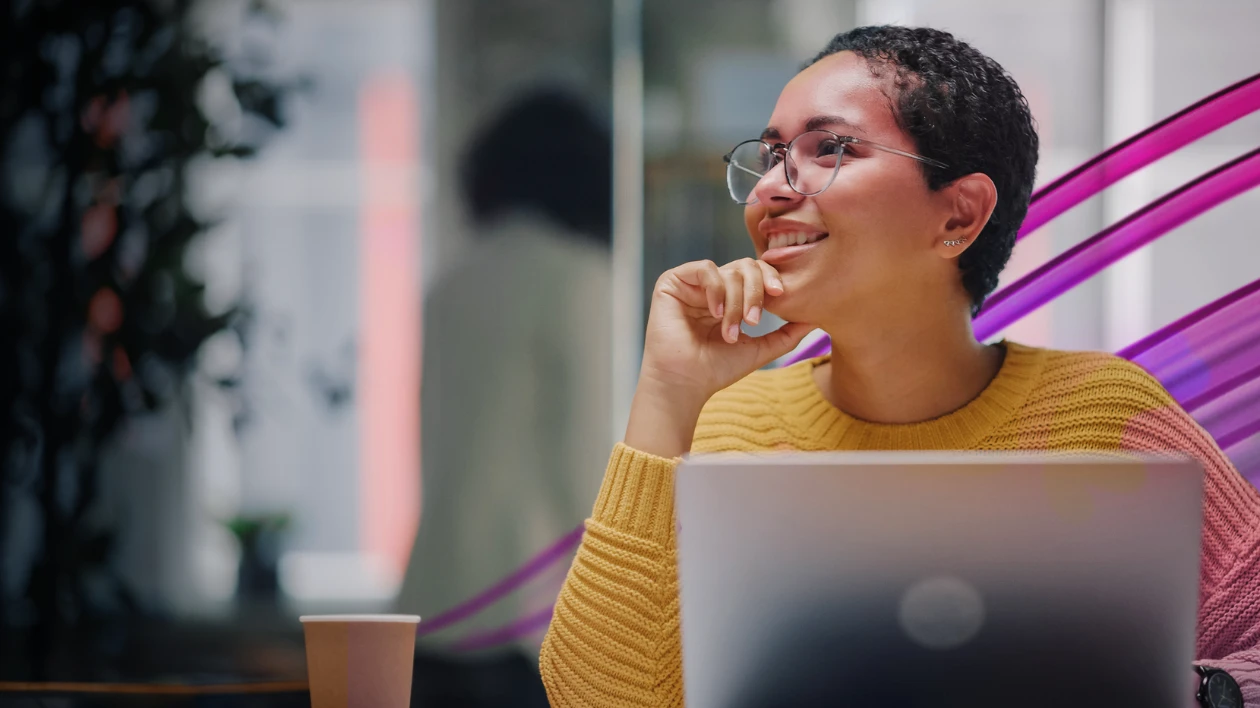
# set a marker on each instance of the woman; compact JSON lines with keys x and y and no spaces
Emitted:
{"x":890,"y":250}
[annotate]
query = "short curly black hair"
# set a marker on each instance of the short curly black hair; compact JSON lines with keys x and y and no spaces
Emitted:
{"x":963,"y":109}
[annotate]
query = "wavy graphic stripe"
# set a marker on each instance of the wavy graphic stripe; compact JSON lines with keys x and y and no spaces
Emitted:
{"x":536,"y":565}
{"x":1113,"y":243}
{"x":1167,"y":136}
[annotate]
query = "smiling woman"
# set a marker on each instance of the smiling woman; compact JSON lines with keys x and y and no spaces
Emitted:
{"x":891,"y":257}
{"x":811,"y":162}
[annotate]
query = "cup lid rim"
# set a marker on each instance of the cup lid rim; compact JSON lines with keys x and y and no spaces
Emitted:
{"x":411,"y":619}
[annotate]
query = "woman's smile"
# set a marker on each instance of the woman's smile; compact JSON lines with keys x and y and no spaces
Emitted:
{"x":786,"y":246}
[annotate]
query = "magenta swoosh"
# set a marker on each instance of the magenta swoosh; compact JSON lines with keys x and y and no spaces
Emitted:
{"x":544,"y":560}
{"x":1235,"y":437}
{"x":1167,"y":136}
{"x":1113,"y":243}
{"x":523,"y":627}
{"x":818,"y":347}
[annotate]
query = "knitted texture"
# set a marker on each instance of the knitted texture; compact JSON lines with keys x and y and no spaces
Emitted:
{"x":615,"y":640}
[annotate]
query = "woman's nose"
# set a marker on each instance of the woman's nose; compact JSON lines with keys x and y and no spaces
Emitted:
{"x":774,"y":186}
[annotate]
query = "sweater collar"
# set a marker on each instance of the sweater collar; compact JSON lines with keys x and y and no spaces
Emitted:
{"x":959,"y":430}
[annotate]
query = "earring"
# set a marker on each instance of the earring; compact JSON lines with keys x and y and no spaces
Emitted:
{"x":959,"y":242}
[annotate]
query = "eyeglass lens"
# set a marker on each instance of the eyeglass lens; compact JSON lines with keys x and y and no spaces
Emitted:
{"x":812,"y":159}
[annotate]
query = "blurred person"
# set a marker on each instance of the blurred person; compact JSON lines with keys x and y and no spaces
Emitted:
{"x":516,"y":389}
{"x":883,"y":201}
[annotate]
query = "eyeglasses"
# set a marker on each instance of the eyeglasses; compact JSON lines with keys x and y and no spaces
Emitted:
{"x":811,"y":161}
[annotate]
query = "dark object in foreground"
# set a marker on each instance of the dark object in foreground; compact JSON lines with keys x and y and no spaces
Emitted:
{"x":506,"y":680}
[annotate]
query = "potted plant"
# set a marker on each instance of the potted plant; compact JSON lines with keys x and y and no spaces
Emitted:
{"x":101,"y":120}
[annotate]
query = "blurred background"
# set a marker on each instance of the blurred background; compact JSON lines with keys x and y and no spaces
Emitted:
{"x":222,"y":221}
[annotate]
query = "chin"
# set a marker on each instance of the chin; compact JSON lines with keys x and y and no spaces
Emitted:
{"x":789,"y":311}
{"x":806,"y":298}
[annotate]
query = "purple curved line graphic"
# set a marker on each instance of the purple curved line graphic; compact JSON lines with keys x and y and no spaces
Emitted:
{"x":1167,"y":136}
{"x":1138,"y":229}
{"x":1207,"y":352}
{"x":1234,"y":416}
{"x":1208,"y":362}
{"x":523,"y":627}
{"x":1242,"y":443}
{"x":1158,"y":337}
{"x":1240,"y":435}
{"x":522,"y":575}
{"x":1221,"y":390}
{"x":818,"y":347}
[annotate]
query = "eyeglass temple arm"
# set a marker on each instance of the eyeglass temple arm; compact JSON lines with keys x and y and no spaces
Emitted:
{"x":741,"y":168}
{"x":895,"y":151}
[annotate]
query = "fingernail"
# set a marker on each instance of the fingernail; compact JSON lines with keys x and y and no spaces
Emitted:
{"x":732,"y":333}
{"x":721,"y":309}
{"x":754,"y":315}
{"x":777,"y":284}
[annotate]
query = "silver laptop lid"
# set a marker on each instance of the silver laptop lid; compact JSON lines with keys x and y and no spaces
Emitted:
{"x":937,"y":579}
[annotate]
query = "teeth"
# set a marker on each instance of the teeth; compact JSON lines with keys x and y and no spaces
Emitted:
{"x":792,"y":238}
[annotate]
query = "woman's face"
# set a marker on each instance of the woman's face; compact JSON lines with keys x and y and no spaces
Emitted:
{"x":878,"y":219}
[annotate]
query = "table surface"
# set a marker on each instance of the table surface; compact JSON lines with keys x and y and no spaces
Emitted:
{"x":157,"y":689}
{"x":68,"y":694}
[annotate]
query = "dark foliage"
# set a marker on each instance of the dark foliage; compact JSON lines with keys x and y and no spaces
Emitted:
{"x":101,"y":119}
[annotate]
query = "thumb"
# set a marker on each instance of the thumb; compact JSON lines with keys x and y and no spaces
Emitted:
{"x":781,"y":341}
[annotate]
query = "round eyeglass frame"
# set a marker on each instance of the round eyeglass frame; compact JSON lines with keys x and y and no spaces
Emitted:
{"x":782,"y":150}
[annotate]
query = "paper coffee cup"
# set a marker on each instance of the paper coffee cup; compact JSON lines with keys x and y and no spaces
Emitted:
{"x":360,"y":661}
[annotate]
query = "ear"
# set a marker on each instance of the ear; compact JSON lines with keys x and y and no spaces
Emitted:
{"x":969,"y":201}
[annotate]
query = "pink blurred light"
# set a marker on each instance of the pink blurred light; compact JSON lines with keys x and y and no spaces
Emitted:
{"x":99,"y":227}
{"x":389,"y":350}
{"x":105,"y":311}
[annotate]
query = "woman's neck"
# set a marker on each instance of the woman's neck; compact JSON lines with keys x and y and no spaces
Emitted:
{"x":896,"y":374}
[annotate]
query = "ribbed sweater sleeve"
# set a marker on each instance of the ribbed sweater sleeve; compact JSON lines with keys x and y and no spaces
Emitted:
{"x":614,"y":638}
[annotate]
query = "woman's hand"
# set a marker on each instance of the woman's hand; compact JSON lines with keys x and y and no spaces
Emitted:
{"x":694,"y":348}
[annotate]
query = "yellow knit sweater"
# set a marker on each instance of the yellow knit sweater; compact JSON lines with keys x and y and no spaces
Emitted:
{"x":614,"y":639}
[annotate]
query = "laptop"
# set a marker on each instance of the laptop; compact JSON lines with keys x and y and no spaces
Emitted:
{"x":938,"y":579}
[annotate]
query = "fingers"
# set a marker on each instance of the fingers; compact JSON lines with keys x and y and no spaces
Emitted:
{"x":745,"y":295}
{"x":702,"y":286}
{"x":733,"y":293}
{"x":754,"y":290}
{"x":770,"y":276}
{"x":714,"y":288}
{"x":734,"y":306}
{"x":781,"y":341}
